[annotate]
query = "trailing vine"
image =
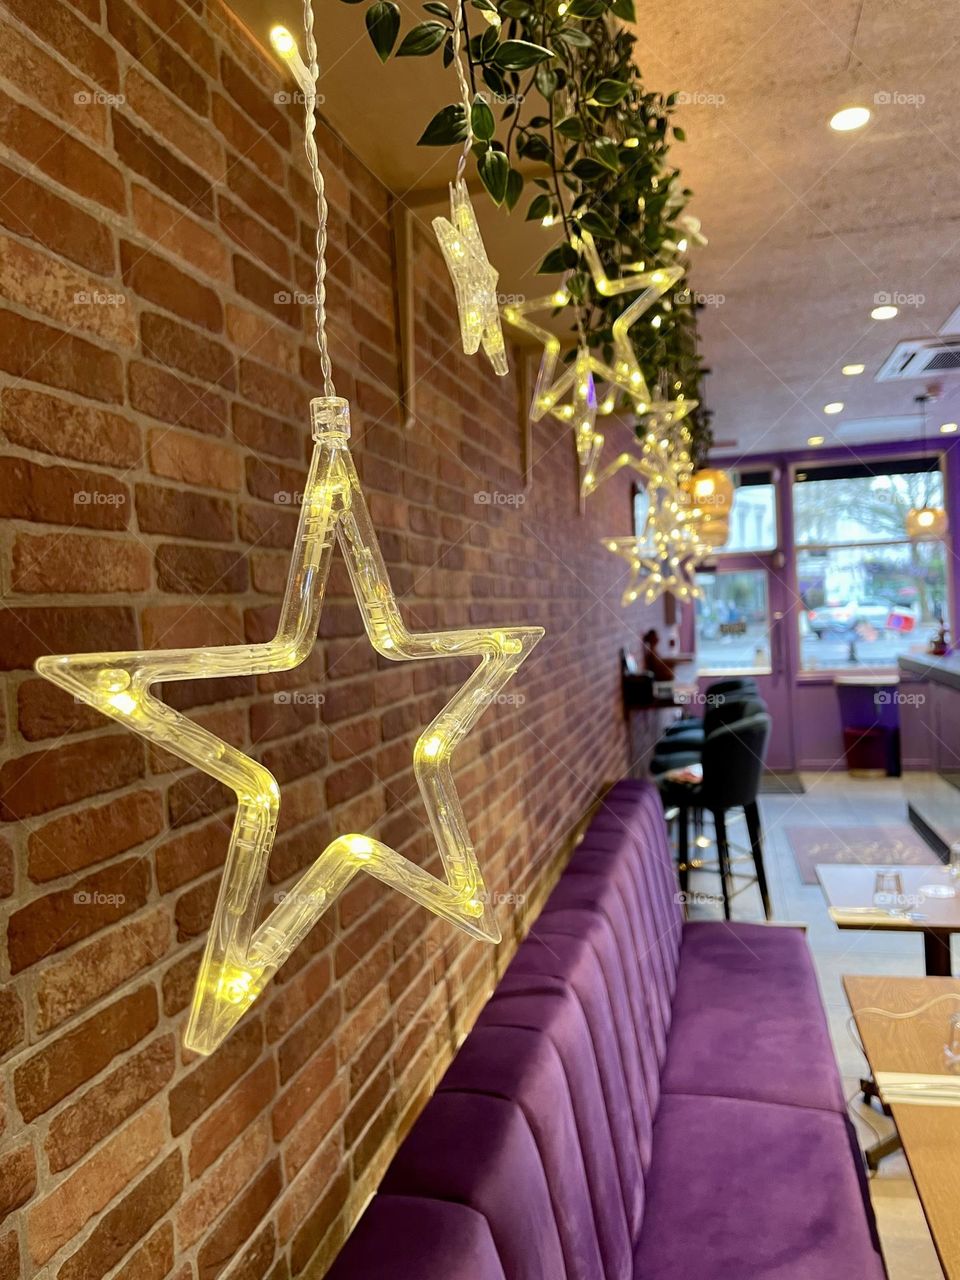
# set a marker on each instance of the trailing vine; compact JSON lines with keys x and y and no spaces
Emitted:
{"x":581,"y":134}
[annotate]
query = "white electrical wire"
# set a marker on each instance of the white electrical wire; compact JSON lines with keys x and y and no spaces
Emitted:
{"x":310,"y":146}
{"x":464,"y":86}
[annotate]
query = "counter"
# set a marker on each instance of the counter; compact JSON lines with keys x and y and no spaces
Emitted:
{"x":929,"y":698}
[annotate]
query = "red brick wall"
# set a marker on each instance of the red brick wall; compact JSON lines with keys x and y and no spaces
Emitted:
{"x":146,"y":434}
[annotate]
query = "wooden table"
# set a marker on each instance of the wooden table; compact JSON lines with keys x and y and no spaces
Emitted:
{"x":930,"y":1134}
{"x":848,"y":887}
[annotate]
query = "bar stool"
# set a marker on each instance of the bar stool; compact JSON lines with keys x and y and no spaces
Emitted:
{"x":677,"y":750}
{"x":732,"y":759}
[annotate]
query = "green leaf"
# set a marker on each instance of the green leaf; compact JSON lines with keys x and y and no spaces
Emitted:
{"x":517,"y":55}
{"x":597,"y":225}
{"x":448,"y":126}
{"x":624,"y":9}
{"x":515,"y":8}
{"x":514,"y":188}
{"x":495,"y":81}
{"x":574,"y":38}
{"x":536,"y":147}
{"x":546,"y":80}
{"x":589,"y":170}
{"x":494,"y":170}
{"x":571,"y":127}
{"x":422,"y":39}
{"x":608,"y":153}
{"x":539,"y":208}
{"x":585,"y":8}
{"x":609,"y":92}
{"x":448,"y":51}
{"x":562,"y":258}
{"x":383,"y":27}
{"x":679,"y":133}
{"x":481,"y":120}
{"x":438,"y":10}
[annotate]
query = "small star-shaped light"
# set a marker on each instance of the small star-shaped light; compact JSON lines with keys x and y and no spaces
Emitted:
{"x":474,"y":278}
{"x":242,"y":955}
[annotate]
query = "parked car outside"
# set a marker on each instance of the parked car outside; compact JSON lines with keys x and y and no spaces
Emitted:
{"x":842,"y":619}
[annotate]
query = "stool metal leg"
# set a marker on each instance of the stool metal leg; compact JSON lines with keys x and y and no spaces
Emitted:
{"x":723,"y":854}
{"x":683,"y":848}
{"x":755,"y":831}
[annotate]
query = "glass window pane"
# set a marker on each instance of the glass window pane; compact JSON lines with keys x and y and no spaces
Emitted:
{"x":860,"y":509}
{"x":733,"y":627}
{"x":753,"y":519}
{"x":864,"y":606}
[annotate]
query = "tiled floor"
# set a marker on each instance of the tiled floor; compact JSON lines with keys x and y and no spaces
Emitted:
{"x":836,"y":800}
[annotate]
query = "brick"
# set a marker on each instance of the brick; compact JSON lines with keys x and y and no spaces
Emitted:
{"x":208,"y":1081}
{"x":191,"y":855}
{"x":104,"y":1107}
{"x":11,"y":1020}
{"x":267,"y":526}
{"x":236,"y":1113}
{"x":80,"y":839}
{"x":322,"y":1210}
{"x":44,"y":780}
{"x":193,"y":912}
{"x":252,"y":235}
{"x":158,"y":281}
{"x":26,"y":65}
{"x":33,"y":211}
{"x":178,"y":983}
{"x":261,"y":197}
{"x":266,"y":291}
{"x":247,"y":140}
{"x":120,"y":1229}
{"x":10,"y":1256}
{"x":172,"y":344}
{"x":170,"y":229}
{"x":193,"y":460}
{"x":18,"y":1179}
{"x":310,"y":1035}
{"x":186,"y":515}
{"x":60,"y":919}
{"x":262,"y":338}
{"x":156,"y":163}
{"x":152,"y":51}
{"x":60,"y":156}
{"x":98,"y":969}
{"x":265,"y":434}
{"x":269,"y":571}
{"x":274,"y":392}
{"x":60,"y":1068}
{"x":200,"y":570}
{"x":60,"y":29}
{"x":46,"y":711}
{"x":7,"y":870}
{"x":251,"y":98}
{"x":185,"y":30}
{"x":303,"y":1092}
{"x":26,"y":633}
{"x":169,"y":398}
{"x":66,"y":562}
{"x":228,"y":723}
{"x":191,"y":625}
{"x":41,"y":353}
{"x":269,"y":480}
{"x":223,"y":1184}
{"x":61,"y":495}
{"x":239,"y":1222}
{"x":153,"y":1260}
{"x":165,"y":116}
{"x":36,"y":420}
{"x":63,"y":1214}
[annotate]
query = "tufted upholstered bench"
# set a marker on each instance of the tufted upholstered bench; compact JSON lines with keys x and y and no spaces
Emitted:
{"x":641,"y":1099}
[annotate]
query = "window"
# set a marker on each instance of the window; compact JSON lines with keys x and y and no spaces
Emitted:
{"x":733,"y":622}
{"x":868,"y":592}
{"x":753,"y":517}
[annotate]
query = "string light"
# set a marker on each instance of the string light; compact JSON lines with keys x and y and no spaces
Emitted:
{"x":241,"y":955}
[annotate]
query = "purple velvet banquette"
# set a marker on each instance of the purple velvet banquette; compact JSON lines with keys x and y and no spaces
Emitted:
{"x":641,"y":1099}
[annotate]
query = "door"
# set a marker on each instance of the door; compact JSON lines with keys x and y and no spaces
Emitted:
{"x":742,"y":628}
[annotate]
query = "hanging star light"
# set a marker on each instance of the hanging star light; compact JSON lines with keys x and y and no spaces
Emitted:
{"x":653,"y":571}
{"x":241,"y":955}
{"x":474,"y":278}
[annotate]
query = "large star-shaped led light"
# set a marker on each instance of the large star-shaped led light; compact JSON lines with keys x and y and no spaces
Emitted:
{"x":652,"y":572}
{"x":474,"y":278}
{"x":242,"y":955}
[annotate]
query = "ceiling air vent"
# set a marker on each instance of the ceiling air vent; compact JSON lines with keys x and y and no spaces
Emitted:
{"x":921,"y":357}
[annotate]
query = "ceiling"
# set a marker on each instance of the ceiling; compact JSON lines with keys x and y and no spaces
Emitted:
{"x":807,"y":227}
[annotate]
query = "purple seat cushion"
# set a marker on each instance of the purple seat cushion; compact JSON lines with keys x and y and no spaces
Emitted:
{"x":753,"y":1191}
{"x":410,"y":1238}
{"x":478,"y":1151}
{"x":748,"y":1021}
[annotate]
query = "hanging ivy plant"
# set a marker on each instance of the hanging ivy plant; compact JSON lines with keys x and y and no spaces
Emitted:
{"x":594,"y":143}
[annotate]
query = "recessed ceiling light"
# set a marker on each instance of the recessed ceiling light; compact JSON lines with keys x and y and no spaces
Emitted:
{"x":884,"y":313}
{"x":815,"y":441}
{"x":853,"y":370}
{"x":835,"y":406}
{"x":850,"y":118}
{"x":949,"y":428}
